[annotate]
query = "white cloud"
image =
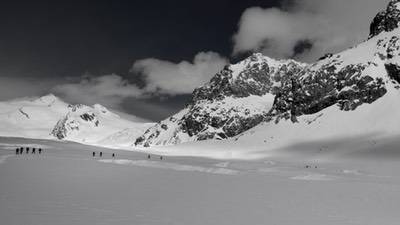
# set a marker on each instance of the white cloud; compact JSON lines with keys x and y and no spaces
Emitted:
{"x":179,"y":78}
{"x":109,"y":90}
{"x":161,"y":78}
{"x":330,"y":25}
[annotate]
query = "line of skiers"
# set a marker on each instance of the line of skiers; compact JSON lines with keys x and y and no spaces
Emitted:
{"x":101,"y":154}
{"x":20,"y":151}
{"x":309,"y":167}
{"x":113,"y":155}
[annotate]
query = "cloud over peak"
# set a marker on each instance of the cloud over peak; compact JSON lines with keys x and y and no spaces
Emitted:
{"x":165,"y":77}
{"x":109,"y":90}
{"x":161,"y":78}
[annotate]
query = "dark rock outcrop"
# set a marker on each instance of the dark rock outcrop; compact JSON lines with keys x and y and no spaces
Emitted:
{"x":393,"y":71}
{"x":314,"y":91}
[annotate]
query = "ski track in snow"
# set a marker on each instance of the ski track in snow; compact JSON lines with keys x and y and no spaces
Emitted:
{"x":352,"y":172}
{"x":13,"y":146}
{"x":222,"y":164}
{"x":171,"y":166}
{"x":313,"y":177}
{"x":3,"y":158}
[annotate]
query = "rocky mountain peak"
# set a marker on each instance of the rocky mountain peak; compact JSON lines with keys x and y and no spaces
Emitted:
{"x":386,"y":20}
{"x":256,"y":75}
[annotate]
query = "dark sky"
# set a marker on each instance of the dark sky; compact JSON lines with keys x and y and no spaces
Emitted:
{"x":71,"y":37}
{"x":44,"y":39}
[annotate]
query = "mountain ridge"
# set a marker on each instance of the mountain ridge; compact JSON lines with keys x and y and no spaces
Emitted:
{"x":49,"y":117}
{"x":286,"y":90}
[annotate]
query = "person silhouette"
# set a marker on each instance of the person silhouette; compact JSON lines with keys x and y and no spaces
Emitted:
{"x":17,"y":151}
{"x":161,"y":158}
{"x":94,"y":154}
{"x":40,"y":151}
{"x":101,"y":154}
{"x":33,"y":150}
{"x":113,"y":155}
{"x":148,"y":156}
{"x":27,"y":150}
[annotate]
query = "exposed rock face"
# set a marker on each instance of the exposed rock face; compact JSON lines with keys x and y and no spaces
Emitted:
{"x":313,"y":91}
{"x":78,"y":116}
{"x":393,"y":71}
{"x":387,"y":20}
{"x":60,"y":131}
{"x":256,"y":75}
{"x":260,"y":89}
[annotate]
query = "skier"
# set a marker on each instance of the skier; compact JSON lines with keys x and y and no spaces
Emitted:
{"x":94,"y":154}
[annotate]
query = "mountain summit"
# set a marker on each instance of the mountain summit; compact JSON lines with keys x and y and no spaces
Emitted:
{"x":386,"y":20}
{"x":263,"y":90}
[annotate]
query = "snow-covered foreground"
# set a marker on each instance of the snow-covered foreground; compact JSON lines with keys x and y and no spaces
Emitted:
{"x":66,"y":185}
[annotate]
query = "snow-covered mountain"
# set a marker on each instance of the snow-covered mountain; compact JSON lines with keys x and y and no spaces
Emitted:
{"x":236,"y":99}
{"x":49,"y":117}
{"x":355,"y":92}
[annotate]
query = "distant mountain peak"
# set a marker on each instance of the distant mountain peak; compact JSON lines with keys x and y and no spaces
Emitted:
{"x":387,"y":20}
{"x":48,"y":99}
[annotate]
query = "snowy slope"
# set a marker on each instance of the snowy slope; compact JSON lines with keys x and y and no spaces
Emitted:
{"x":173,"y":131}
{"x":33,"y":118}
{"x":380,"y":56}
{"x":48,"y":117}
{"x":66,"y":185}
{"x":331,"y":128}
